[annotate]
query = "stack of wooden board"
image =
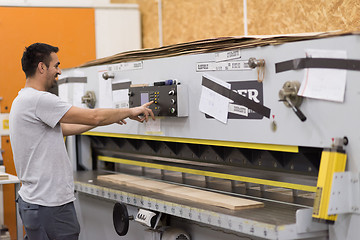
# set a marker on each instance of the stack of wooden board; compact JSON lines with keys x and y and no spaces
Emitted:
{"x":4,"y":176}
{"x":181,"y":192}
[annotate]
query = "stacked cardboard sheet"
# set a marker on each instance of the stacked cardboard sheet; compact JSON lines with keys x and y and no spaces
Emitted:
{"x":210,"y":45}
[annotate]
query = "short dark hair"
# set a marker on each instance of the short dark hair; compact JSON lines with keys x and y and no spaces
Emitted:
{"x":35,"y":53}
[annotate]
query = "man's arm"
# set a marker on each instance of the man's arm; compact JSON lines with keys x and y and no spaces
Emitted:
{"x":69,"y":129}
{"x":78,"y":117}
{"x":74,"y":129}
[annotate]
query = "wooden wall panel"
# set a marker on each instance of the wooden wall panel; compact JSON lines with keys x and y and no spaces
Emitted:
{"x":189,"y":20}
{"x":296,"y":16}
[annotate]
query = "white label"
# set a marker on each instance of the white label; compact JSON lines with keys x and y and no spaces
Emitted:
{"x":227,"y":55}
{"x":125,"y":66}
{"x":239,"y":109}
{"x":222,"y":66}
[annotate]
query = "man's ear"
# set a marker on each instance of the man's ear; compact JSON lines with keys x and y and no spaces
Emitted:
{"x":41,"y":67}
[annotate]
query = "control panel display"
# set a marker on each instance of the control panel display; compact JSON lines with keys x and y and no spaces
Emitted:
{"x":169,"y":100}
{"x":144,"y":97}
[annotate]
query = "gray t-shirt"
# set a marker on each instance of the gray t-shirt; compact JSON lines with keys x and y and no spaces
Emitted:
{"x":40,"y":156}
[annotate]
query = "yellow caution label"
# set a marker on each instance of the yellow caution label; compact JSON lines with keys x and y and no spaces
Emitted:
{"x":6,"y":124}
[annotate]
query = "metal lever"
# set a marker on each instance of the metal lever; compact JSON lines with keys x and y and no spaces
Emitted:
{"x":296,"y":110}
{"x":89,"y":99}
{"x":288,"y":95}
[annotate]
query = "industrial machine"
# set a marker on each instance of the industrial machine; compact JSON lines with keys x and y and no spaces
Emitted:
{"x":272,"y":119}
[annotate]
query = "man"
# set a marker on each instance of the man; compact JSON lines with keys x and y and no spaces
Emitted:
{"x":38,"y":122}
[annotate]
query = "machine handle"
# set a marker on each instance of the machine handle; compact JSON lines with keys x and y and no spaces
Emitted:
{"x":296,"y":110}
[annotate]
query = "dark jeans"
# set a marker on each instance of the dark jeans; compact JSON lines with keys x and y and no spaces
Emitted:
{"x":44,"y":223}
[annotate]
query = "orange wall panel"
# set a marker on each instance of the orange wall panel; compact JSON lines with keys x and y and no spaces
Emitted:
{"x":70,"y":29}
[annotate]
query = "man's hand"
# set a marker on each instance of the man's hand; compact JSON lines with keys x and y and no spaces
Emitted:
{"x":144,"y":110}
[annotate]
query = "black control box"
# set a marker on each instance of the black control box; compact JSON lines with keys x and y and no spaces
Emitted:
{"x":169,"y":100}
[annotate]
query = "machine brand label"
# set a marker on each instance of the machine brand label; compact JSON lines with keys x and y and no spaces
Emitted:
{"x":253,"y":90}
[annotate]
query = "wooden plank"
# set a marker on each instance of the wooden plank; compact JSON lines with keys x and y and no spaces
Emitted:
{"x":4,"y":176}
{"x":188,"y":193}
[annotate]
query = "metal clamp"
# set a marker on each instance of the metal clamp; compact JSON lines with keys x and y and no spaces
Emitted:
{"x":254,"y":63}
{"x":89,"y":99}
{"x":260,"y":65}
{"x":107,"y":75}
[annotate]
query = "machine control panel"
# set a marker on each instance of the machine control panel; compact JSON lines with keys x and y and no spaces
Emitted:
{"x":169,"y":100}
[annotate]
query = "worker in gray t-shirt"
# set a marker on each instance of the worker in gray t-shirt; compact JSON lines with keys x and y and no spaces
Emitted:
{"x":38,"y":122}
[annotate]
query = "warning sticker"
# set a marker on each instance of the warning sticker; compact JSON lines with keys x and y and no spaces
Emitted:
{"x":317,"y":201}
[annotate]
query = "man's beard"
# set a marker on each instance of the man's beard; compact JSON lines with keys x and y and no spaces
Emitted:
{"x":53,"y":83}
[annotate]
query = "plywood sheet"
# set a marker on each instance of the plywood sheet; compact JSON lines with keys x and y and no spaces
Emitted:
{"x":190,"y":20}
{"x":295,"y":16}
{"x":188,"y":193}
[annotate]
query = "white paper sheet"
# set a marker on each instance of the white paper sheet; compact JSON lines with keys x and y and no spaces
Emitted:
{"x":153,"y":127}
{"x":72,"y":93}
{"x":120,"y":97}
{"x":213,"y":103}
{"x":326,"y":84}
{"x":78,"y":93}
{"x":105,"y":92}
{"x":63,"y":92}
